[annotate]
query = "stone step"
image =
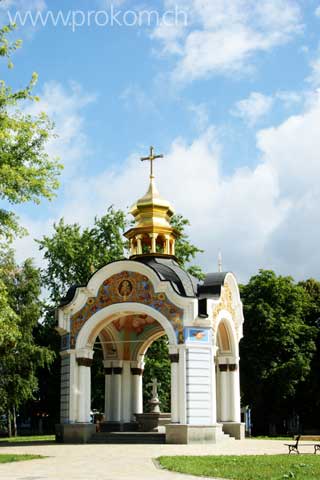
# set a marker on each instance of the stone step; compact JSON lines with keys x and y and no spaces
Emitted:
{"x":128,"y":437}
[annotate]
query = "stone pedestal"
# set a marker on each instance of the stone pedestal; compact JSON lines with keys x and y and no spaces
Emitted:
{"x":147,"y":422}
{"x":185,"y":434}
{"x":234,"y":429}
{"x":74,"y":432}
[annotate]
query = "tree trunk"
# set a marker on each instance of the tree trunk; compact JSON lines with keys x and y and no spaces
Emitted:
{"x":9,"y":424}
{"x":15,"y":430}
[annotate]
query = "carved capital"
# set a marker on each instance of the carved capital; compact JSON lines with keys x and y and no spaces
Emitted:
{"x":223,"y":367}
{"x":136,"y":371}
{"x":84,"y":362}
{"x":117,"y":370}
{"x":233,"y":367}
{"x":174,"y":357}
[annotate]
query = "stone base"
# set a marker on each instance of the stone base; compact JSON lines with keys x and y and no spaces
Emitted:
{"x":185,"y":434}
{"x":74,"y":432}
{"x":147,"y":422}
{"x":236,"y":430}
{"x":164,"y":419}
{"x":118,"y":427}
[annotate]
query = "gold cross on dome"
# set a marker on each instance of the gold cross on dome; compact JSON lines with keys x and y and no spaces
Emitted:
{"x":151,"y":159}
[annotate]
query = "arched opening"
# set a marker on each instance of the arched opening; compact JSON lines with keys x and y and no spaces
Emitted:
{"x":226,"y":370}
{"x":157,"y":365}
{"x":128,"y":350}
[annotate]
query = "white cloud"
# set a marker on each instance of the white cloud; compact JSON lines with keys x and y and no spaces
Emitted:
{"x":64,"y":107}
{"x":200,"y":115}
{"x":266,"y":216}
{"x":223,"y":36}
{"x":134,"y":97}
{"x":253,"y":108}
{"x":314,"y":78}
{"x":23,"y":4}
{"x":317,"y":11}
{"x":261,"y":217}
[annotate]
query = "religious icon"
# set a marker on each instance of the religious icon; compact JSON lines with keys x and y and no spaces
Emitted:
{"x":125,"y":288}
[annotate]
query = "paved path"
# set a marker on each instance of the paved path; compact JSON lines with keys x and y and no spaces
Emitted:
{"x":118,"y":462}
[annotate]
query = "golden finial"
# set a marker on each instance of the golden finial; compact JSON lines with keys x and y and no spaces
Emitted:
{"x":151,"y":159}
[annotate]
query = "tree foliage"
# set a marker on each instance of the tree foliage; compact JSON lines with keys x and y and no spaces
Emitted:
{"x":74,"y":253}
{"x":277,"y":348}
{"x":20,"y":355}
{"x":26,"y":171}
{"x":158,"y":365}
{"x":185,"y":251}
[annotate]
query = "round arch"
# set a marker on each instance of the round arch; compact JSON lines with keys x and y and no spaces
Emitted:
{"x":225,"y":326}
{"x":142,"y":349}
{"x":104,"y":316}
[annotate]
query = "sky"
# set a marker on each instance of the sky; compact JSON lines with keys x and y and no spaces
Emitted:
{"x":227,"y":90}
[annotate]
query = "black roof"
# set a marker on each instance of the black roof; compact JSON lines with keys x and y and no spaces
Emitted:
{"x":211,"y":286}
{"x":169,"y":270}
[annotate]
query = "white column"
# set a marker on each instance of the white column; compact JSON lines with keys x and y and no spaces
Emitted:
{"x":182,"y":384}
{"x":126,"y":391}
{"x":107,"y":390}
{"x":235,"y":400}
{"x":84,"y":360}
{"x":224,"y":392}
{"x":139,"y":244}
{"x":214,"y":388}
{"x":153,"y":237}
{"x":137,"y":393}
{"x":174,"y":357}
{"x":218,"y":390}
{"x":116,"y":391}
{"x":167,"y":249}
{"x":84,"y":390}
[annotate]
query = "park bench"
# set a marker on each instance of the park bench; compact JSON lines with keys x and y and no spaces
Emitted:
{"x":294,"y":447}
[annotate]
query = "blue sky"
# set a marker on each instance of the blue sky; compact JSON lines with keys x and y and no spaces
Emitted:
{"x":230,"y":96}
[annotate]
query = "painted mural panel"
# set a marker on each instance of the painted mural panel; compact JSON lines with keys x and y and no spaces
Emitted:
{"x":127,"y":287}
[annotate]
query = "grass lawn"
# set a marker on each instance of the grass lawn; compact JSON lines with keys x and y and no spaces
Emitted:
{"x":36,"y":438}
{"x":247,"y":467}
{"x":7,"y":458}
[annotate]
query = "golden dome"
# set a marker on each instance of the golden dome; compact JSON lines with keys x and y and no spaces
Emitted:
{"x":152,"y":232}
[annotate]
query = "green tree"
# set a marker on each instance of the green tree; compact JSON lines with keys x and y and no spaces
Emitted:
{"x":185,"y":251}
{"x":309,"y":390}
{"x":74,"y":253}
{"x":22,"y":356}
{"x":277,"y":348}
{"x":26,"y":171}
{"x":158,"y":365}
